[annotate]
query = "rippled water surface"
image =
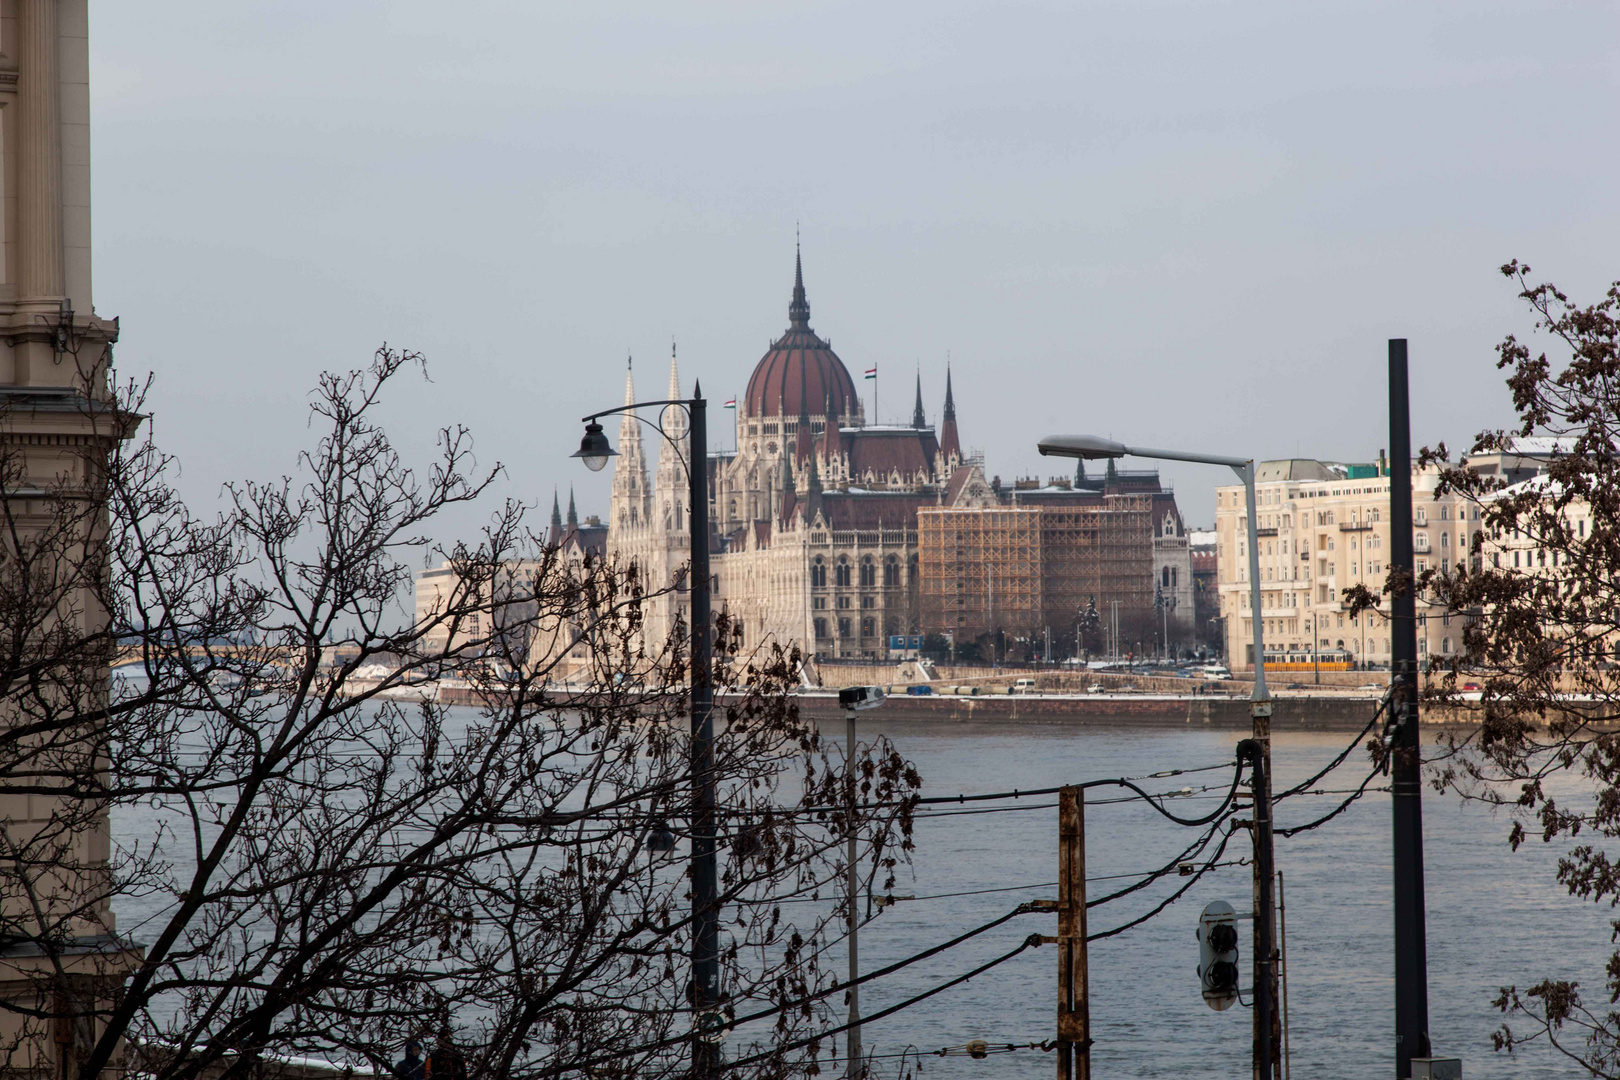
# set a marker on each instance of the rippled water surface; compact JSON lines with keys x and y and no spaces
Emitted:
{"x":1494,"y":917}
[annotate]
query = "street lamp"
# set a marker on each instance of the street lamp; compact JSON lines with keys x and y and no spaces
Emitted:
{"x":594,"y":451}
{"x":1092,"y":447}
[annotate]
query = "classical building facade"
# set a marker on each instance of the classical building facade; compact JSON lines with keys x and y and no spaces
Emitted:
{"x":1324,"y":527}
{"x":56,"y":429}
{"x":813,"y":517}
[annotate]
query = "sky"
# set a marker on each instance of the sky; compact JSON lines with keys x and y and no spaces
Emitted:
{"x":1181,"y":224}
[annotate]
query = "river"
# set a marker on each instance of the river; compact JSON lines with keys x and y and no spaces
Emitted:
{"x":1495,"y":917}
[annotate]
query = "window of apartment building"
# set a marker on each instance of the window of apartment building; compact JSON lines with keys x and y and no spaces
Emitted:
{"x":1421,"y":516}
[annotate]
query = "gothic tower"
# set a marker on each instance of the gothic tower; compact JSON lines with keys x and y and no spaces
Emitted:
{"x":628,"y":507}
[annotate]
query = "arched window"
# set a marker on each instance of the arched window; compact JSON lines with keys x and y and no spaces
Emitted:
{"x":891,"y":573}
{"x":818,"y":578}
{"x":841,"y":571}
{"x":868,"y":572}
{"x":843,"y":628}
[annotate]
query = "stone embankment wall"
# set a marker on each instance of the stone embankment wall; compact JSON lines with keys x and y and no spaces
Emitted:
{"x":1336,"y":713}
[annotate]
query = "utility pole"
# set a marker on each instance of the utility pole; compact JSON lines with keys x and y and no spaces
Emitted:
{"x":1316,"y":665}
{"x":705,"y":884}
{"x":1074,"y":997}
{"x":853,"y":699}
{"x":1406,"y":799}
{"x":853,"y":1043}
{"x":1265,"y":1057}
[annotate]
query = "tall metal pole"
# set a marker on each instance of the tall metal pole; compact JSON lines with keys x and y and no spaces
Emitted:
{"x":705,"y":917}
{"x":1265,"y":1058}
{"x":1074,"y":994}
{"x":1260,"y":715}
{"x":1406,"y":801}
{"x":853,"y":1042}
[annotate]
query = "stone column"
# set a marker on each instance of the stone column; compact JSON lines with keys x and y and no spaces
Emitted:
{"x":39,"y":193}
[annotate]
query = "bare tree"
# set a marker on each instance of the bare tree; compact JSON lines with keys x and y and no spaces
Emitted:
{"x":312,"y":854}
{"x":1542,"y":639}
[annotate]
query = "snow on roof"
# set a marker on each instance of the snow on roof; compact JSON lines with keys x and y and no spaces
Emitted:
{"x":1541,"y":445}
{"x":1201,"y":537}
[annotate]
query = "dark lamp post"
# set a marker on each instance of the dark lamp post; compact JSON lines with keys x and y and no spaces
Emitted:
{"x":594,"y":448}
{"x":594,"y":451}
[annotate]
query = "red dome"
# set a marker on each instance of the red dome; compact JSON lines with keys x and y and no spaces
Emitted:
{"x":800,"y":373}
{"x":797,"y":376}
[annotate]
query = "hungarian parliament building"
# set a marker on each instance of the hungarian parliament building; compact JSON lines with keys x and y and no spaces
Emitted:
{"x":813,"y":515}
{"x":848,"y":539}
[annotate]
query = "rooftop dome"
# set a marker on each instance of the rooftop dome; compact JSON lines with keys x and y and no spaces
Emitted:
{"x":801,"y":373}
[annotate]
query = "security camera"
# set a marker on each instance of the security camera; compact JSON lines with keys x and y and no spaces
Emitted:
{"x":857,"y":698}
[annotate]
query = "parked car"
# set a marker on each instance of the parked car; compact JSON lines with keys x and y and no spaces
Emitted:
{"x":1023,"y":686}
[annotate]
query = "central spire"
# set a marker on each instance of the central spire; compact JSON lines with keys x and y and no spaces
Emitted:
{"x":799,"y":309}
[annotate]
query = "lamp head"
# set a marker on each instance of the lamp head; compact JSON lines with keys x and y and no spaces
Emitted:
{"x":1081,"y":446}
{"x":594,"y":448}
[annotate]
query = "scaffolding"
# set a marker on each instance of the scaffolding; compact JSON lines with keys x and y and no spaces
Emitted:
{"x":980,"y":571}
{"x":1102,"y":554}
{"x":1024,"y":570}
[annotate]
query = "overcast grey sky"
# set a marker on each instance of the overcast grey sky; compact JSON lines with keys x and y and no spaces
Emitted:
{"x":1184,"y":224}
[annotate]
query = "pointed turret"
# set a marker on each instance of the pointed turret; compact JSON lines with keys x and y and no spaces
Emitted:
{"x":831,"y":445}
{"x":1079,"y":472}
{"x":556,"y":518}
{"x":812,"y":495}
{"x":674,"y":417}
{"x":919,"y":419}
{"x":629,"y":504}
{"x":949,"y":445}
{"x":573,"y":515}
{"x":799,"y":308}
{"x":671,"y":486}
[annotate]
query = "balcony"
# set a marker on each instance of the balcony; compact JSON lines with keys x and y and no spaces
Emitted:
{"x":1265,"y":532}
{"x":1352,"y":526}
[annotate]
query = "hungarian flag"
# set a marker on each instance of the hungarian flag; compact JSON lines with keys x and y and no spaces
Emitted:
{"x":871,"y":372}
{"x":732,"y":404}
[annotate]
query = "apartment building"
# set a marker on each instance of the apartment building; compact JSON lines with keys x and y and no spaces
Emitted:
{"x":1323,"y":527}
